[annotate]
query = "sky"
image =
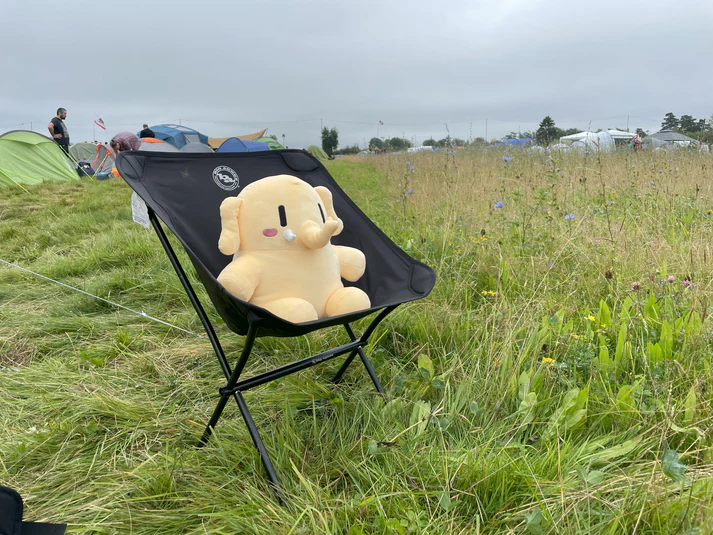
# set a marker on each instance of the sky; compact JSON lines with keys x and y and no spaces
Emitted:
{"x":424,"y":69}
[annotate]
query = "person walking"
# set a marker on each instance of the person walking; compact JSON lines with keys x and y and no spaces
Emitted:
{"x":146,"y":132}
{"x":58,"y":130}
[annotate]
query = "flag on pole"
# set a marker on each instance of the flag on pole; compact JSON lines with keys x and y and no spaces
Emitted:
{"x":100,"y":123}
{"x":381,"y":123}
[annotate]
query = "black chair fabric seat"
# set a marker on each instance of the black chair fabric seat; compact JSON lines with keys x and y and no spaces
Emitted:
{"x":181,"y":190}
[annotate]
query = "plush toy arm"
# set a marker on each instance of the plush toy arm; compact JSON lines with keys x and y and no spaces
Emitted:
{"x":229,"y":241}
{"x":241,"y":277}
{"x":352,"y":262}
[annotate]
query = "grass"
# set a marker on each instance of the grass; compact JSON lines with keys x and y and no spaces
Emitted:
{"x":534,"y":391}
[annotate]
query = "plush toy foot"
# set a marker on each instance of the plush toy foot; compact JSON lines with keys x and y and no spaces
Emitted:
{"x":346,"y":300}
{"x":292,"y":309}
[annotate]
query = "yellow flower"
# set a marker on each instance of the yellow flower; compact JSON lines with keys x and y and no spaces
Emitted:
{"x":604,"y":325}
{"x":591,"y":318}
{"x":484,"y":238}
{"x":710,"y":211}
{"x":548,"y":360}
{"x":485,"y":292}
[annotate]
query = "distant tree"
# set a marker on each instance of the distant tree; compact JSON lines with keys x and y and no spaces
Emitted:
{"x":640,"y":132}
{"x":688,"y":123}
{"x":529,"y":134}
{"x":458,"y":142}
{"x":701,"y":125}
{"x":512,"y":135}
{"x":330,"y":140}
{"x":376,"y":143}
{"x":351,"y":149}
{"x":430,"y":142}
{"x":669,"y":122}
{"x":547,"y":131}
{"x":479,"y":142}
{"x":397,"y":143}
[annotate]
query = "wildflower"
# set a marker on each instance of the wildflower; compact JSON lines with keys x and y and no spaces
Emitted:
{"x":499,"y":204}
{"x":410,"y":168}
{"x":604,"y":325}
{"x":686,"y":283}
{"x":507,"y":158}
{"x":548,"y":360}
{"x":409,"y":191}
{"x":635,"y":286}
{"x":710,"y":212}
{"x":408,"y":163}
{"x":587,"y":152}
{"x":550,"y":264}
{"x":591,"y":318}
{"x":485,"y":292}
{"x":652,"y":183}
{"x":568,"y":217}
{"x":671,"y":278}
{"x":660,"y":170}
{"x":546,"y":151}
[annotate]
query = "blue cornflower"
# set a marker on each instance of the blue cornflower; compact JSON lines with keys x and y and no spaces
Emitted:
{"x":587,"y":152}
{"x":546,"y":151}
{"x":408,"y":163}
{"x":410,"y":168}
{"x":651,"y":183}
{"x":409,"y":191}
{"x":506,"y":158}
{"x":660,"y":170}
{"x":499,"y":204}
{"x":568,"y":217}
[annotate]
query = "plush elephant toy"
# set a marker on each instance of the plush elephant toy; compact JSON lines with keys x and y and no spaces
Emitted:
{"x":278,"y":231}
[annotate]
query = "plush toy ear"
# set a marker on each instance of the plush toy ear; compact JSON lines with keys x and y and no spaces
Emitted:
{"x":229,"y":241}
{"x":326,"y":197}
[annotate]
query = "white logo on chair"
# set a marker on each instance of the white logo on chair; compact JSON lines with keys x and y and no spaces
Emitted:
{"x":226,"y":178}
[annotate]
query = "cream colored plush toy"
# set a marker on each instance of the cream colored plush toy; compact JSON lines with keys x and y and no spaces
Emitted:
{"x":278,"y":230}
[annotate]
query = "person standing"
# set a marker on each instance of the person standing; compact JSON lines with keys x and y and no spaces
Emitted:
{"x":146,"y":132}
{"x":58,"y":130}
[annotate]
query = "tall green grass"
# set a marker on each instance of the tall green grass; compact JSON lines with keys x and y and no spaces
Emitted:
{"x":538,"y":389}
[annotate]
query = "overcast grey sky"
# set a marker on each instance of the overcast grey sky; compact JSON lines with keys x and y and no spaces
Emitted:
{"x":232,"y":67}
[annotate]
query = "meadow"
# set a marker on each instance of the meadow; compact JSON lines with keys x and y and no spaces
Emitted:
{"x":557,"y":380}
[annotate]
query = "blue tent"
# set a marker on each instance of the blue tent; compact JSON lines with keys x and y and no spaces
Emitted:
{"x":234,"y":144}
{"x":515,"y":142}
{"x":178,"y":135}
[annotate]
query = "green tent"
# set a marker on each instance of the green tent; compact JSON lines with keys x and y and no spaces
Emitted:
{"x":31,"y":158}
{"x":274,"y":145}
{"x":83,"y":152}
{"x":317,"y":152}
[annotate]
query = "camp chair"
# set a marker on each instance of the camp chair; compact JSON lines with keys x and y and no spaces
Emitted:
{"x":11,"y":517}
{"x":185,"y":191}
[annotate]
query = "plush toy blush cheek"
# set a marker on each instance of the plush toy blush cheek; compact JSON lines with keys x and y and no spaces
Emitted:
{"x":270,"y":232}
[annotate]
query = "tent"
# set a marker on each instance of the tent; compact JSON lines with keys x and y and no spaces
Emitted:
{"x":178,"y":135}
{"x":215,"y":142}
{"x":104,"y":158}
{"x":274,"y":145}
{"x":594,"y":142}
{"x":234,"y":144}
{"x":615,"y":135}
{"x":673,"y":138}
{"x":196,"y":147}
{"x":156,"y":145}
{"x":31,"y":158}
{"x":515,"y":142}
{"x":83,"y":152}
{"x":317,"y":152}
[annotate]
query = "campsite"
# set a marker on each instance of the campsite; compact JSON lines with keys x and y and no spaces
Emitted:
{"x":375,"y":268}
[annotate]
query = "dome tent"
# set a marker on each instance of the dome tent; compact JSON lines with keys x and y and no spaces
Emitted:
{"x":178,"y":135}
{"x":234,"y":144}
{"x":31,"y":158}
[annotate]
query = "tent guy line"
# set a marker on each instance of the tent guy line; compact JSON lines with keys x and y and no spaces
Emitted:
{"x":142,"y":313}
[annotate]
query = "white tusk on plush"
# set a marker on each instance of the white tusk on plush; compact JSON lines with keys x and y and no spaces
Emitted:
{"x":289,"y":235}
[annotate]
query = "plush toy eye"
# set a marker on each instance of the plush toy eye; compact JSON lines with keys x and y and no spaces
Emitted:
{"x":283,"y":216}
{"x":321,"y":213}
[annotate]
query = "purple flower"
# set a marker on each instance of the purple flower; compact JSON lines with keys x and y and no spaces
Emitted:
{"x":651,"y":183}
{"x":568,"y":217}
{"x":660,"y":170}
{"x":671,"y":278}
{"x":635,"y":286}
{"x":499,"y":204}
{"x":408,"y":163}
{"x":409,"y":191}
{"x":410,"y":168}
{"x":587,"y":152}
{"x":546,"y":151}
{"x":686,"y":283}
{"x":507,"y":158}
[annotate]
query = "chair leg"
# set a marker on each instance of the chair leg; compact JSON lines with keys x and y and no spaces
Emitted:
{"x":369,"y":369}
{"x":371,"y":372}
{"x":267,"y":463}
{"x":213,"y":421}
